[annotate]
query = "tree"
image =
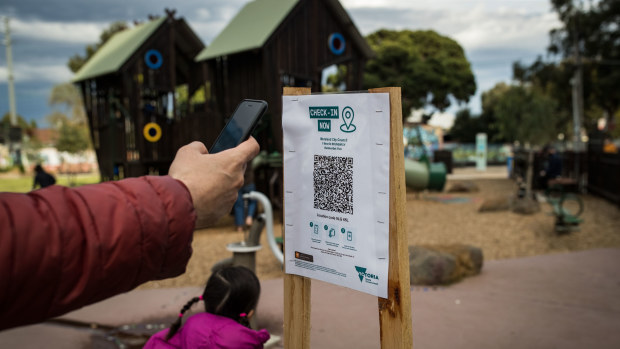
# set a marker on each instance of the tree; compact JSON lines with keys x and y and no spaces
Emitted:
{"x":522,"y":113}
{"x":69,"y":97}
{"x":465,"y":127}
{"x":430,"y":68}
{"x":77,"y":61}
{"x":589,"y":37}
{"x":72,"y":138}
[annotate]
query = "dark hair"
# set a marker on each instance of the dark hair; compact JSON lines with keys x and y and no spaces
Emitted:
{"x":38,"y":168}
{"x":230,"y":292}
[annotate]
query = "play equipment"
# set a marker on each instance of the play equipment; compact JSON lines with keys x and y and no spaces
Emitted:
{"x":425,"y":175}
{"x":567,"y":208}
{"x":244,"y":252}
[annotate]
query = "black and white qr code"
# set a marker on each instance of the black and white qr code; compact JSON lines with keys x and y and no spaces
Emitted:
{"x":333,"y":183}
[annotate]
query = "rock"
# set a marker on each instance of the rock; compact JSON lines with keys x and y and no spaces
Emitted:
{"x":495,"y":204}
{"x":526,"y":206}
{"x":427,"y":267}
{"x":443,"y":264}
{"x":463,"y":187}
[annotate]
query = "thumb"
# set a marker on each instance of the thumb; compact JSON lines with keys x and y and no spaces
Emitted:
{"x":196,"y":146}
{"x":248,"y":149}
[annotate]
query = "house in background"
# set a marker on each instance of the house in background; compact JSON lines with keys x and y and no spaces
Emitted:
{"x":136,"y":90}
{"x":271,"y":44}
{"x":153,"y":88}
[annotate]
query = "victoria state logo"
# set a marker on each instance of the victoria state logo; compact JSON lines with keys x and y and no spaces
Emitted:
{"x":370,"y":278}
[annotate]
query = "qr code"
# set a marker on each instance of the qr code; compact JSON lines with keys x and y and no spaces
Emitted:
{"x":333,"y":183}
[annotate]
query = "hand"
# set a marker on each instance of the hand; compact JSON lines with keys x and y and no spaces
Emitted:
{"x":213,"y":180}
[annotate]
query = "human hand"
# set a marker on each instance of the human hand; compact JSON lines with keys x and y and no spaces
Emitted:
{"x":213,"y":180}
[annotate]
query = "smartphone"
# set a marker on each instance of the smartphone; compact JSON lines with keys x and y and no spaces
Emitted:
{"x":240,"y":126}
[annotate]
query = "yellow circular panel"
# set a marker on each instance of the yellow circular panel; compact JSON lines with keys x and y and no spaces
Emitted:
{"x":152,"y":132}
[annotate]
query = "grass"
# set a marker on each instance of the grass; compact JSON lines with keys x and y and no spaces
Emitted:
{"x":23,"y":184}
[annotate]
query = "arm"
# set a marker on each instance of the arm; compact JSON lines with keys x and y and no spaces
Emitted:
{"x":61,"y":248}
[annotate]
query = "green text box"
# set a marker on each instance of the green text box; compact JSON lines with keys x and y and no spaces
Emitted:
{"x":323,"y":112}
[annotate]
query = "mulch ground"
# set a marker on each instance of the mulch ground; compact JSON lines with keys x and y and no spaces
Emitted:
{"x":438,"y":218}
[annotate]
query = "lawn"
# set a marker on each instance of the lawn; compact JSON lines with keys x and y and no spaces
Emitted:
{"x":24,"y":184}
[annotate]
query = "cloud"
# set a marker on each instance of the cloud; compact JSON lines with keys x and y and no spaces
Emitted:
{"x":71,"y":32}
{"x":57,"y":73}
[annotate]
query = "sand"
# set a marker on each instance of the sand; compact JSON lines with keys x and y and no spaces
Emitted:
{"x":501,"y":235}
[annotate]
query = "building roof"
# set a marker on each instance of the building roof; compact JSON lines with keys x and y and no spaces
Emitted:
{"x":117,"y":50}
{"x":47,"y":136}
{"x":250,"y":28}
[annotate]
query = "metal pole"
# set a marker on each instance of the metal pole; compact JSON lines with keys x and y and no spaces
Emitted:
{"x":9,"y":68}
{"x":577,"y":94}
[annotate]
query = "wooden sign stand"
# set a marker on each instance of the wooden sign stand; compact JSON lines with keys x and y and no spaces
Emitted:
{"x":395,"y":311}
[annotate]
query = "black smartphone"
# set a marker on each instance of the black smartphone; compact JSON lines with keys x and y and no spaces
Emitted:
{"x":240,"y":126}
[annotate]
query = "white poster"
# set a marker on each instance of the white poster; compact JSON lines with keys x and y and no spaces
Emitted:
{"x":336,"y":188}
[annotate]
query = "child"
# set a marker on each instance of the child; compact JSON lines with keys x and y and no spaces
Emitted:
{"x":230,"y":297}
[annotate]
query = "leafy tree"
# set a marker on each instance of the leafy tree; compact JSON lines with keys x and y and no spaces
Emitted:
{"x":465,"y":127}
{"x":335,"y":81}
{"x":72,"y":138}
{"x":77,"y":61}
{"x":69,"y":97}
{"x":588,"y":31}
{"x":21,"y":122}
{"x":73,"y":129}
{"x":430,"y":68}
{"x":522,"y":113}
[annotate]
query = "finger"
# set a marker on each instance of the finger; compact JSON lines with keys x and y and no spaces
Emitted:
{"x":248,"y":149}
{"x":197,"y":147}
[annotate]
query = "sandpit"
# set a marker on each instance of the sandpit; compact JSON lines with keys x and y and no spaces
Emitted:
{"x":437,"y":218}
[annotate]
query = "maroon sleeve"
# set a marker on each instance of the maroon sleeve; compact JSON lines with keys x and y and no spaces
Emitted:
{"x":62,"y":248}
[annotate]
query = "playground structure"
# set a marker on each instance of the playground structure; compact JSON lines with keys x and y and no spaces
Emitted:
{"x":155,"y":87}
{"x":423,"y":174}
{"x":244,"y":252}
{"x":567,"y":208}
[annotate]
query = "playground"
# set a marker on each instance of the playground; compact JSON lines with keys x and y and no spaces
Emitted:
{"x":436,"y":219}
{"x":541,"y":289}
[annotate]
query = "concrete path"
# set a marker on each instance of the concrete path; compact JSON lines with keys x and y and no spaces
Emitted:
{"x":568,"y":300}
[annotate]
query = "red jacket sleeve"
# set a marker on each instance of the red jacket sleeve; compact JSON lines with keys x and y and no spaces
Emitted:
{"x":62,"y":248}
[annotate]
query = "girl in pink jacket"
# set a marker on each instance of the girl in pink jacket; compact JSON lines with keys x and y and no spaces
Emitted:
{"x":230,"y":297}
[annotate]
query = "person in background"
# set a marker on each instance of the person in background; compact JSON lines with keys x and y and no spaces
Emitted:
{"x":41,"y":178}
{"x":552,"y":166}
{"x":230,"y":298}
{"x":241,"y":215}
{"x":63,"y":248}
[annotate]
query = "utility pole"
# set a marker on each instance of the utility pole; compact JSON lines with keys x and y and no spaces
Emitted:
{"x":9,"y":68}
{"x":14,"y":138}
{"x":577,"y":96}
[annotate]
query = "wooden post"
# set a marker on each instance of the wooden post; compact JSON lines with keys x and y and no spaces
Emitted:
{"x":296,"y":288}
{"x":395,"y":311}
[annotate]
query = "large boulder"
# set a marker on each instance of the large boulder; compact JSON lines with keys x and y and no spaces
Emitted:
{"x":443,"y":264}
{"x":525,"y":206}
{"x":495,"y":204}
{"x":428,"y":267}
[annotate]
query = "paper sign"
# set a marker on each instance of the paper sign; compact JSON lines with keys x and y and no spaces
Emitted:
{"x":336,"y":188}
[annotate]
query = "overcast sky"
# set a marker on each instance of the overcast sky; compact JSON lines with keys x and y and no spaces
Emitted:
{"x":494,"y":33}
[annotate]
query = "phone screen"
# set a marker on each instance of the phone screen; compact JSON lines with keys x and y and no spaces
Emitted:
{"x":240,"y":125}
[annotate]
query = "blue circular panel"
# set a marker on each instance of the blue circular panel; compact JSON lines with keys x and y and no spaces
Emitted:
{"x":336,"y":43}
{"x":153,"y":59}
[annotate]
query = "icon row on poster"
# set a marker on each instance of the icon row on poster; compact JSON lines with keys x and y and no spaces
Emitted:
{"x":330,"y":232}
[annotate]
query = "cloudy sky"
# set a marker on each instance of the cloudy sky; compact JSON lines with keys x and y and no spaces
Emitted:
{"x":494,"y":33}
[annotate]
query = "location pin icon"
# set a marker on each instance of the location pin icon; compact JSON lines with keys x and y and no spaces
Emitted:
{"x":347,"y":117}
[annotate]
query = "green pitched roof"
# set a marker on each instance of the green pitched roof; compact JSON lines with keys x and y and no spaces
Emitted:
{"x":115,"y":52}
{"x":250,"y":29}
